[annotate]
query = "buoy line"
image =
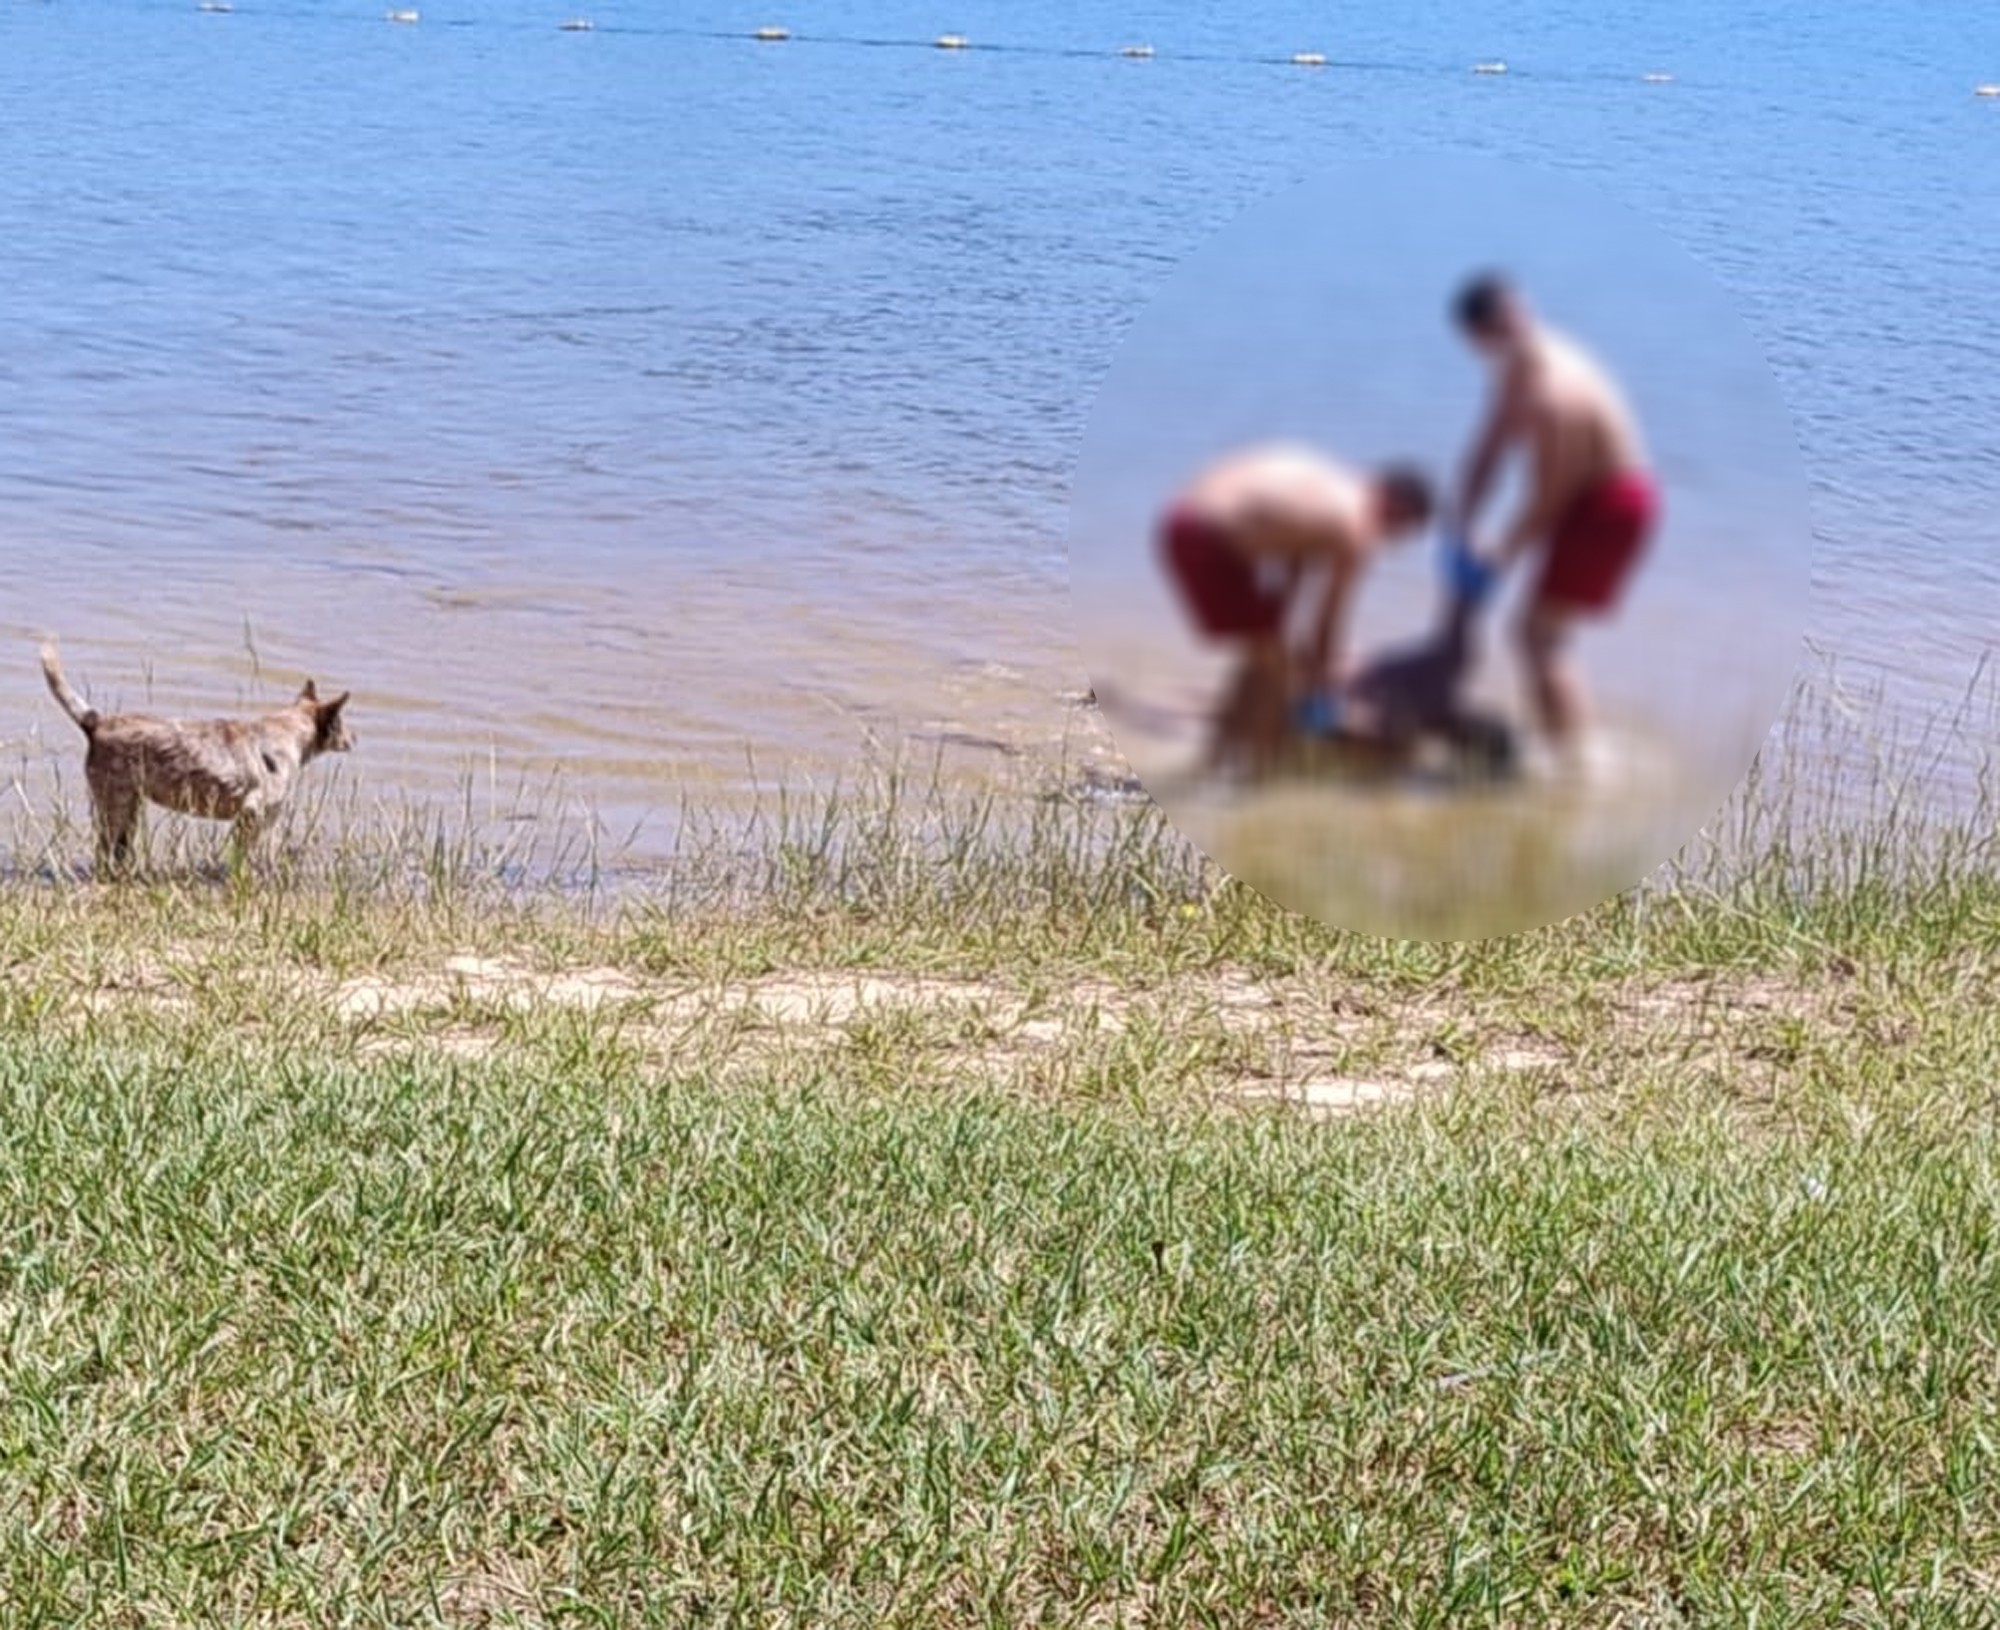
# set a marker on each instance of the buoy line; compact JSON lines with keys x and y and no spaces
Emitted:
{"x":773,"y":33}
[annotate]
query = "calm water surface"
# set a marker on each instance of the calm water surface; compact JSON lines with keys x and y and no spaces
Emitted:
{"x":680,"y":411}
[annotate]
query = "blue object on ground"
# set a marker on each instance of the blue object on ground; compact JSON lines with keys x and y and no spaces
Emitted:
{"x":1319,"y":714}
{"x":1471,"y":578}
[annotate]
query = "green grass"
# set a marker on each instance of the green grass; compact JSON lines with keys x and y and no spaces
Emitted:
{"x":470,"y":1312}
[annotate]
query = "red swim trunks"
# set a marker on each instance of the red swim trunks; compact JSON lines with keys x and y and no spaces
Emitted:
{"x":1219,"y":585}
{"x":1597,"y":545}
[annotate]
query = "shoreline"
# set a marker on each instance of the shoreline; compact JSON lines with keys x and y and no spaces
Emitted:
{"x":1826,"y":797}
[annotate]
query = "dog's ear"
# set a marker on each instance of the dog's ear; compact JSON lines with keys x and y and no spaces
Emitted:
{"x":328,"y":709}
{"x":309,"y":694}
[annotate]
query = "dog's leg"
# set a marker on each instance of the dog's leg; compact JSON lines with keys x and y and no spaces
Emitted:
{"x":245,"y":833}
{"x":115,"y":813}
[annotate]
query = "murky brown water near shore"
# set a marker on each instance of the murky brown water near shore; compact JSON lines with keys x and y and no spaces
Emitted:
{"x":571,"y":700}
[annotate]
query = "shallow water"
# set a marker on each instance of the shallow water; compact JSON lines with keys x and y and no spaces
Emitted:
{"x":679,"y":412}
{"x":1428,"y":854}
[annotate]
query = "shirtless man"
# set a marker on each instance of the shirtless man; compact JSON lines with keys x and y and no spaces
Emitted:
{"x":1591,"y":505}
{"x":1238,"y":543}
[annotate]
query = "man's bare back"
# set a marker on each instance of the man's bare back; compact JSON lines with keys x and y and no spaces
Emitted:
{"x":1288,"y":502}
{"x":1578,"y":420}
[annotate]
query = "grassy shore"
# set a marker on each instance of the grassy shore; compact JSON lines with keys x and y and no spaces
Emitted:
{"x":915,"y":1217}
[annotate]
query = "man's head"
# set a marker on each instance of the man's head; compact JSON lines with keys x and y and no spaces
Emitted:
{"x":1490,"y":312}
{"x":1404,"y":499}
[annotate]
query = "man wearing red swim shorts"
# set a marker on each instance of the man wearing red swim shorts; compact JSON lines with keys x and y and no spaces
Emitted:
{"x":1592,"y":506}
{"x":1237,"y":545}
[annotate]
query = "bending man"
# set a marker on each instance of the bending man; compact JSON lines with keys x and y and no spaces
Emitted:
{"x":1239,"y":543}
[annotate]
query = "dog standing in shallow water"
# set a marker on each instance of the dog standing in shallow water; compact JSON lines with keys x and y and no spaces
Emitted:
{"x":234,"y":770}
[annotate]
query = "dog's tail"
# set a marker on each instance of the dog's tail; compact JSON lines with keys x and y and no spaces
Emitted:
{"x":75,"y":706}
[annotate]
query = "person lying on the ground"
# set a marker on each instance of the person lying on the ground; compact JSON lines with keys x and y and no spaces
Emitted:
{"x":1238,"y":544}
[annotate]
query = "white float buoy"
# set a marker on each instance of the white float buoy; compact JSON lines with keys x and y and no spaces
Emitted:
{"x":402,"y":16}
{"x":951,"y":42}
{"x":576,"y":25}
{"x":1986,"y":90}
{"x":1136,"y":51}
{"x":1309,"y":59}
{"x":770,"y":32}
{"x":1489,"y":67}
{"x":1658,"y":79}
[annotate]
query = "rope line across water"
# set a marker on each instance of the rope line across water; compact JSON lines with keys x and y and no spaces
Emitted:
{"x":773,"y":34}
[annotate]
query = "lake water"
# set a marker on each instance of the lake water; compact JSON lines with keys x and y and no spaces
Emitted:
{"x":681,"y":410}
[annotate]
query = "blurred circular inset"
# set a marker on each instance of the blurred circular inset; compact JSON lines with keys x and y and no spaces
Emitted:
{"x":1316,"y":342}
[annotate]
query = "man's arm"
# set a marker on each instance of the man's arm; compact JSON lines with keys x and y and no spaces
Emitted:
{"x":1504,"y":421}
{"x":1325,"y":651}
{"x":1539,"y":510}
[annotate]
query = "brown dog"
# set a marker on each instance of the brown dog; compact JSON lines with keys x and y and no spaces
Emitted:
{"x":1416,"y":697}
{"x":240,"y":771}
{"x":1410,"y":700}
